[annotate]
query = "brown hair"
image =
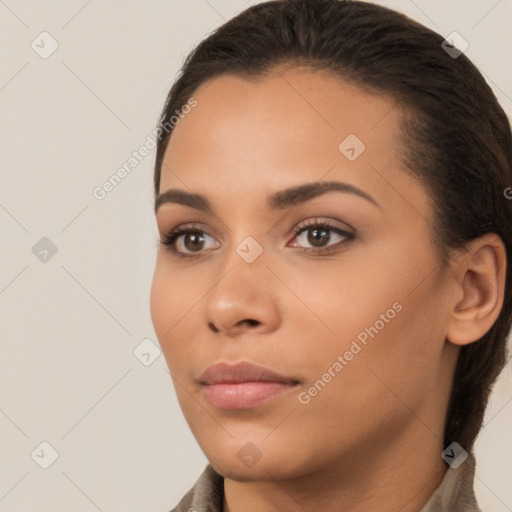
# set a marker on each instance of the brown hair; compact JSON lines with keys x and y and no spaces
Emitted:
{"x":456,"y":137}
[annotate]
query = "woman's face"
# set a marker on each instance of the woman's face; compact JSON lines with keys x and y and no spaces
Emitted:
{"x":355,"y":312}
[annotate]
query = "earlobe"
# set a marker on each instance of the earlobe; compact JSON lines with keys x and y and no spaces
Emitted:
{"x":481,"y":282}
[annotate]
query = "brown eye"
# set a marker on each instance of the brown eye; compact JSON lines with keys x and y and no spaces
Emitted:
{"x":193,"y":241}
{"x":317,"y":237}
{"x":319,"y":234}
{"x":186,"y":242}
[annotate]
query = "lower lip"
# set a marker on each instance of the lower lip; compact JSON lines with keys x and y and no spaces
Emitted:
{"x":244,"y":395}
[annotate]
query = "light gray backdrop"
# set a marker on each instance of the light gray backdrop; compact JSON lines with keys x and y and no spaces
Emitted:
{"x":80,"y":370}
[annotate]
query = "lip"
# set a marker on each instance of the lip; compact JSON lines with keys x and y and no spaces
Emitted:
{"x":243,"y":385}
{"x":222,"y":373}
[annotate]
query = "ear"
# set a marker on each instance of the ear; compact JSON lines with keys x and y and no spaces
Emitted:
{"x":480,"y":282}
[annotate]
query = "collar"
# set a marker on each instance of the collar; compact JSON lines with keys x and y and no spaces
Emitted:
{"x":454,"y":494}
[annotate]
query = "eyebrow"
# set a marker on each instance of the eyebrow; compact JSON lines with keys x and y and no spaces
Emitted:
{"x":277,"y":201}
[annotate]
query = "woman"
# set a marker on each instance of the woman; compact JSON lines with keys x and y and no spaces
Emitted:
{"x":332,"y":292}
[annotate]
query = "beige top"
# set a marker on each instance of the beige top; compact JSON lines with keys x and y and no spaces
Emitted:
{"x":454,"y":494}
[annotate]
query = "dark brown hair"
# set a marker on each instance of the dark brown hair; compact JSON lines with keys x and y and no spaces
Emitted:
{"x":456,"y":137}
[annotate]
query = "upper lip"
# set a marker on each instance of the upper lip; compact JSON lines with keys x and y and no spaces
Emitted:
{"x":241,"y":372}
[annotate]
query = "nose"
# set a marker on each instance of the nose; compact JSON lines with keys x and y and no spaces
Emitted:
{"x":244,"y":300}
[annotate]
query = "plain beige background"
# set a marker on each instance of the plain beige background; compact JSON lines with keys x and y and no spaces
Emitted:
{"x":73,"y":372}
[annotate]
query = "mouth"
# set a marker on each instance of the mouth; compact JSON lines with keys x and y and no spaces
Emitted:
{"x":244,"y":395}
{"x":243,"y":385}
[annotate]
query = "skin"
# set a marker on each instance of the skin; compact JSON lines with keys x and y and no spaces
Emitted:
{"x":372,"y":438}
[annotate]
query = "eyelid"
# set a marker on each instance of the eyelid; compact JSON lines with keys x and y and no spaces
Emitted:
{"x":324,"y":221}
{"x":192,"y":226}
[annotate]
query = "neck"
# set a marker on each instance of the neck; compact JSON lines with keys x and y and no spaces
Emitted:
{"x":402,"y":476}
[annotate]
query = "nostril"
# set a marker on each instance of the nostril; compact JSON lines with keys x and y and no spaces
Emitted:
{"x":212,"y":327}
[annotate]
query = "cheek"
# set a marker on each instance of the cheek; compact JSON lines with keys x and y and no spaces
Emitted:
{"x":159,"y":301}
{"x":376,"y":386}
{"x":343,"y":297}
{"x":173,"y":296}
{"x":175,"y":303}
{"x":377,"y":310}
{"x":168,"y":305}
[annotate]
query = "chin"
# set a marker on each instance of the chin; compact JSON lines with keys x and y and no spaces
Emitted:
{"x":263,"y":470}
{"x":252,"y":460}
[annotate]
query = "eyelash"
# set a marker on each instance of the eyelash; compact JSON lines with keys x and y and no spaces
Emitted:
{"x":170,"y":239}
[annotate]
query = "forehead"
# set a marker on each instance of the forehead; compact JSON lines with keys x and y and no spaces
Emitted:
{"x":303,"y":102}
{"x":293,"y":126}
